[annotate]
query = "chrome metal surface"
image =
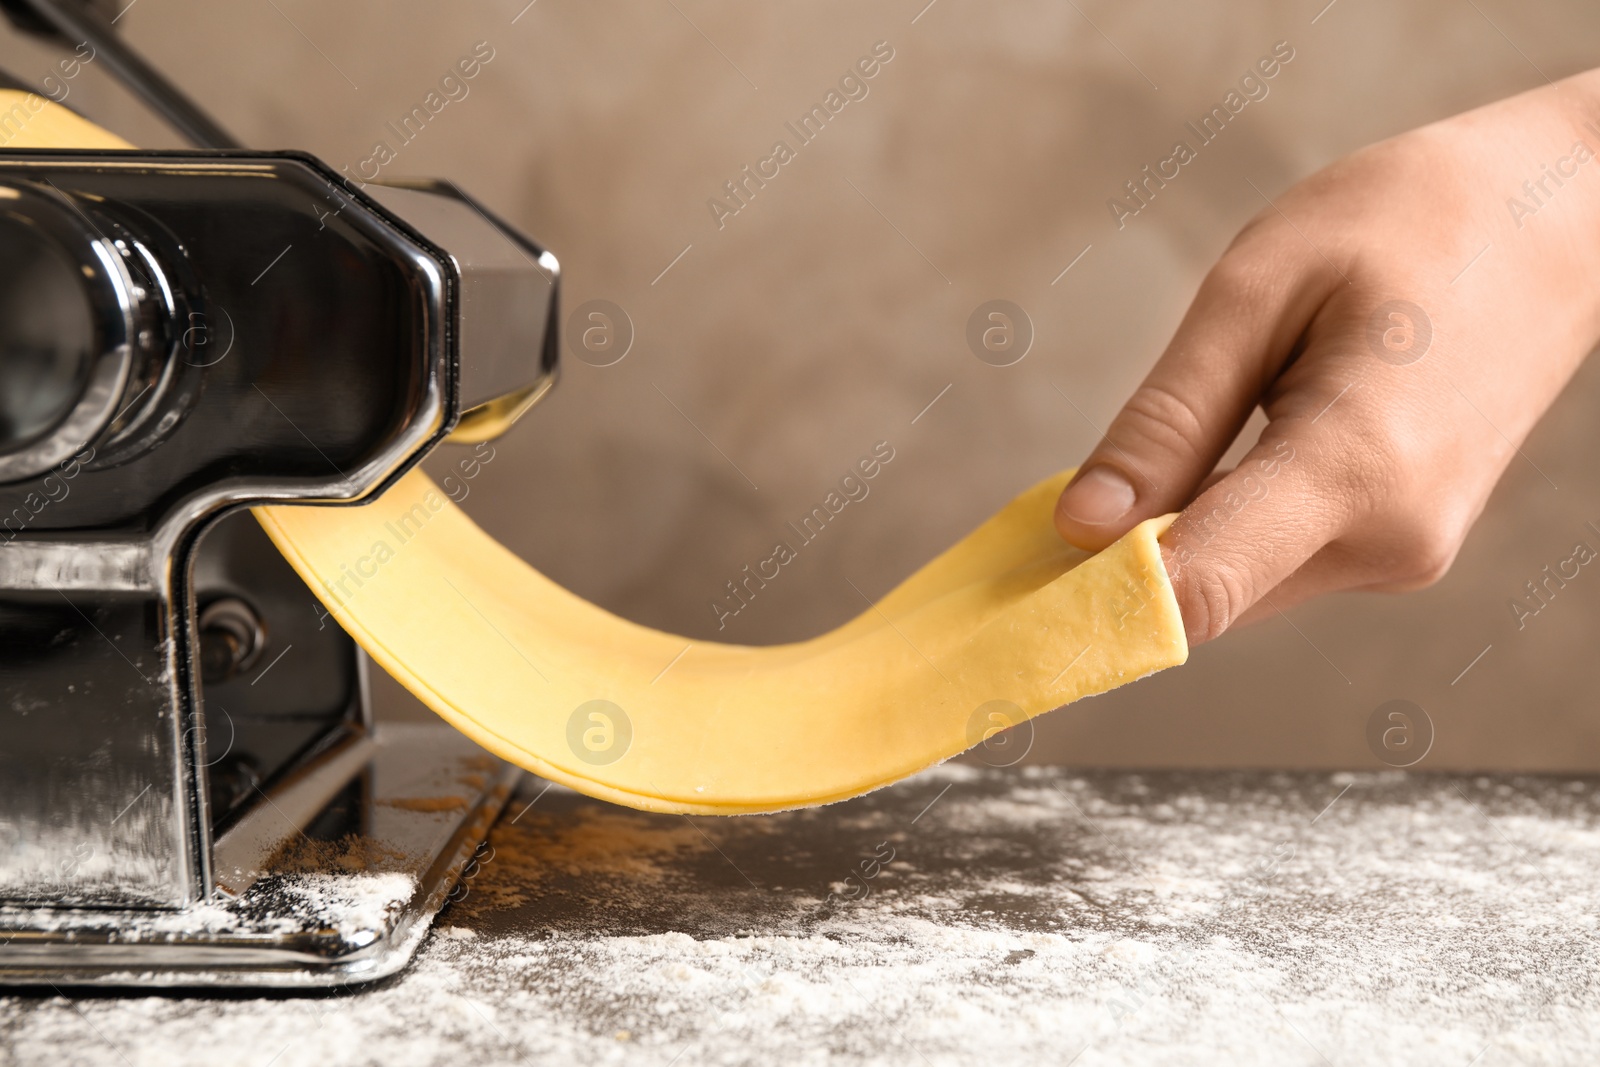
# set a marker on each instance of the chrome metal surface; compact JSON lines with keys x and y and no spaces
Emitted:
{"x":153,"y":754}
{"x":115,"y":303}
{"x":344,"y":899}
{"x":104,"y":779}
{"x":241,"y":856}
{"x":77,"y":565}
{"x":508,"y":295}
{"x":95,"y":790}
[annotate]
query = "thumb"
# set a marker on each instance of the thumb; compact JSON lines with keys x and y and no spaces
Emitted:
{"x":1233,"y":341}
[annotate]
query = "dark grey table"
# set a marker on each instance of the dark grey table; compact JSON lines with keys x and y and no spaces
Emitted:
{"x":967,"y":916}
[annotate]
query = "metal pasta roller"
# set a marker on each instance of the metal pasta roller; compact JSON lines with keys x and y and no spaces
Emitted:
{"x":192,"y":789}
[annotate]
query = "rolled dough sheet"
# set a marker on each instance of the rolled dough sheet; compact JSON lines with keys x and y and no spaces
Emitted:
{"x":1009,"y":623}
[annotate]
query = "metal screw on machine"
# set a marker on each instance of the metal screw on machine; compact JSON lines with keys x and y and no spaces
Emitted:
{"x":232,"y":637}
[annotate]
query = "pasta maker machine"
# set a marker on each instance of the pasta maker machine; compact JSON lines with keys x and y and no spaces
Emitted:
{"x":192,"y":787}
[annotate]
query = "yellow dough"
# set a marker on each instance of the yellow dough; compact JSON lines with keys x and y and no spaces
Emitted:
{"x":1009,"y":623}
{"x":29,"y":120}
{"x":547,"y":680}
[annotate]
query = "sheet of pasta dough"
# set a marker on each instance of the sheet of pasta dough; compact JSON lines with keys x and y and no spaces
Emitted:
{"x":1009,"y":623}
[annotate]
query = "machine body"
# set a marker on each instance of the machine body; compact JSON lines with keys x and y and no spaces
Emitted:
{"x":183,"y":335}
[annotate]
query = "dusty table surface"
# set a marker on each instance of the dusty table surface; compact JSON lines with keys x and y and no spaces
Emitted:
{"x":966,"y":916}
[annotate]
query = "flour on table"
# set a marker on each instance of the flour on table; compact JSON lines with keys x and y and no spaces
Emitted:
{"x":1028,"y":916}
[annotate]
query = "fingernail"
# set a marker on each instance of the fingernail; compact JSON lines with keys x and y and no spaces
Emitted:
{"x":1102,"y":495}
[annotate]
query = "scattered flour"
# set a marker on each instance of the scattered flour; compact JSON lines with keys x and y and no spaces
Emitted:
{"x":1028,"y":917}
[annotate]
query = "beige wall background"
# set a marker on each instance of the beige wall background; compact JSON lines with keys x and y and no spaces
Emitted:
{"x":832,"y":309}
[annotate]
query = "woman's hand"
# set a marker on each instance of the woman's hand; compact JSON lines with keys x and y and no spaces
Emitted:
{"x":1403,"y":317}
